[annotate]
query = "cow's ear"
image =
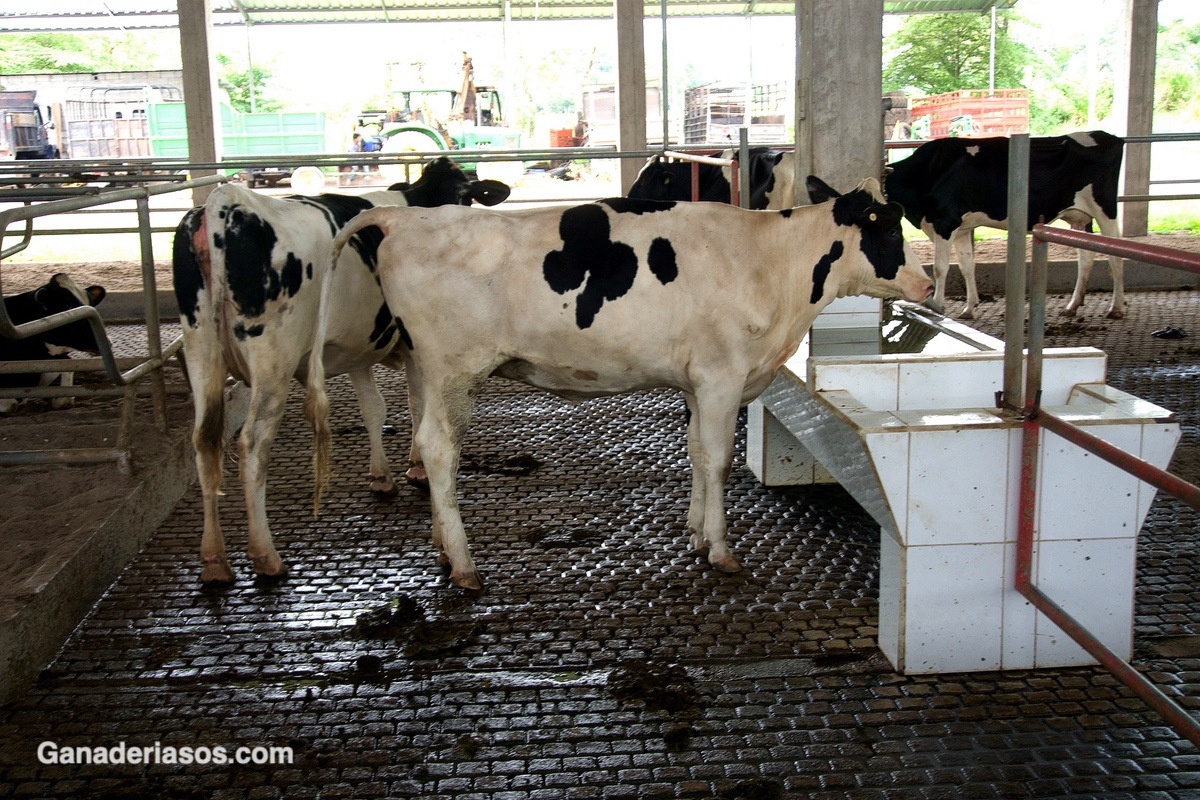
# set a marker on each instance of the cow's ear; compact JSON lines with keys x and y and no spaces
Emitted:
{"x":403,"y":186}
{"x":819,"y":191}
{"x":95,"y":295}
{"x":489,"y":192}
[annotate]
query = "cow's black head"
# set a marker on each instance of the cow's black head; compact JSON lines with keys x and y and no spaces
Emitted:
{"x":443,"y":183}
{"x":882,"y":240}
{"x":62,"y":294}
{"x":661,"y":180}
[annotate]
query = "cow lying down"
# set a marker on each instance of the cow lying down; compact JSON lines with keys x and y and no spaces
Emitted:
{"x":615,"y":297}
{"x":248,"y":270}
{"x":59,"y":294}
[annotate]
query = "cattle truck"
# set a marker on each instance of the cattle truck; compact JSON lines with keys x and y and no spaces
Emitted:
{"x":23,"y":131}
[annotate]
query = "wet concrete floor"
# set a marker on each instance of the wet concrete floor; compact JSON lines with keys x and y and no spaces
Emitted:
{"x":603,"y":659}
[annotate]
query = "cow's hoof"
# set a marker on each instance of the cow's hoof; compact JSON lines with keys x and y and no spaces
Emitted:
{"x":968,"y":314}
{"x":384,"y":486}
{"x":697,"y":541}
{"x":1068,"y":312}
{"x":269,"y":566}
{"x":467,"y":580}
{"x":1116,"y":314}
{"x":417,"y":478}
{"x":727,"y":564}
{"x":216,"y":571}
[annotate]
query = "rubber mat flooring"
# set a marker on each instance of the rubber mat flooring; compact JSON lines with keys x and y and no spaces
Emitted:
{"x":603,"y":659}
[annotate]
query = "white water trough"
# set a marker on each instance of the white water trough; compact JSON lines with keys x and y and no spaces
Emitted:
{"x":916,"y":439}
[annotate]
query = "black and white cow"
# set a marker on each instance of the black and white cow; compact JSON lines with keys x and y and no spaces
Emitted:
{"x":614,"y":297}
{"x":771,"y":180}
{"x":59,"y":294}
{"x":948,"y":187}
{"x":248,"y":270}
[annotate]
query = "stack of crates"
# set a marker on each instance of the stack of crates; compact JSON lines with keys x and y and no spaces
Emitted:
{"x":996,"y":112}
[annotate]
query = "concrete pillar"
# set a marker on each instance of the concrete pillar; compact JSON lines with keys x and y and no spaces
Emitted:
{"x":631,"y":86}
{"x":195,"y":23}
{"x":840,"y":133}
{"x":1133,"y":103}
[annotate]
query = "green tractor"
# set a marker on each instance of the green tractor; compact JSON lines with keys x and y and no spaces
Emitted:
{"x":422,"y":120}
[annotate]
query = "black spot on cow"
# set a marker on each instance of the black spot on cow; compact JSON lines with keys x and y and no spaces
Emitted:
{"x":340,"y":209}
{"x":404,"y":334}
{"x":589,"y":253}
{"x":627,"y":205}
{"x":337,"y":208}
{"x":292,"y":275}
{"x":384,"y":330}
{"x":662,"y":260}
{"x":821,"y":270}
{"x":249,"y":240}
{"x":188,"y":277}
{"x":242,"y":332}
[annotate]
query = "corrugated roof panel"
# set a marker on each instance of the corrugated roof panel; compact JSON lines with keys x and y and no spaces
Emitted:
{"x":93,"y":15}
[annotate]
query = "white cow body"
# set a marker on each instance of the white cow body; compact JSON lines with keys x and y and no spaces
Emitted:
{"x":614,"y":297}
{"x":248,"y":271}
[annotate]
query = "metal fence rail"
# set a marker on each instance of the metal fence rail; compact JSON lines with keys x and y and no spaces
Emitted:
{"x":122,"y":373}
{"x":1035,"y":419}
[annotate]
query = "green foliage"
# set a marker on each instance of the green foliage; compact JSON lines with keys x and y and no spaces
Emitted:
{"x":1177,"y":72}
{"x":69,"y":52}
{"x":936,"y":53}
{"x":238,"y":84}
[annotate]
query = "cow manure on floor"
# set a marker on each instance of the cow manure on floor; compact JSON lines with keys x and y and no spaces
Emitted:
{"x":663,"y":688}
{"x":754,"y":789}
{"x":552,"y":538}
{"x":517,"y":466}
{"x":403,"y":621}
{"x":390,"y":620}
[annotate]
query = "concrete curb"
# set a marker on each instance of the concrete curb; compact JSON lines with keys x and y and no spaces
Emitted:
{"x":32,"y":637}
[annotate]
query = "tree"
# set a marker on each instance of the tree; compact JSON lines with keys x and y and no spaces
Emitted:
{"x":937,"y":53}
{"x":96,"y":52}
{"x":1177,"y":71}
{"x":238,"y":84}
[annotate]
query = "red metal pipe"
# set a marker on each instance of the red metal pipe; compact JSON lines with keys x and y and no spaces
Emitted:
{"x":695,"y":181}
{"x":1160,"y":479}
{"x":1171,"y":712}
{"x":734,"y":172}
{"x":1140,"y":251}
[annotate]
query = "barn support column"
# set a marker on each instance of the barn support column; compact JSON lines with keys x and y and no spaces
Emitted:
{"x":839,"y":127}
{"x":1133,"y":104}
{"x":631,"y":85}
{"x":195,"y":23}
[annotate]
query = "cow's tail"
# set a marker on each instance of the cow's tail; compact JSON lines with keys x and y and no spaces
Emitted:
{"x":203,"y":356}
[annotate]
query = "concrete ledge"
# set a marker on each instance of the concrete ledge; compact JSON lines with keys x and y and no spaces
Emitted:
{"x":131,"y":307}
{"x":1060,"y":277}
{"x":32,"y":635}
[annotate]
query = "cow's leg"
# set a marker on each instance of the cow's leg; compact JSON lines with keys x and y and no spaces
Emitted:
{"x":963,"y":241}
{"x":1116,"y":267}
{"x":371,"y":405}
{"x":941,"y":268}
{"x":207,"y":379}
{"x":712,"y":457}
{"x":1086,"y":258}
{"x":66,"y":379}
{"x":447,"y":409}
{"x":267,"y":400}
{"x":415,"y":476}
{"x":695,"y":517}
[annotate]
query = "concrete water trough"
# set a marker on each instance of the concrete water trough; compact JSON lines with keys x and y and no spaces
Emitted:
{"x":917,"y":439}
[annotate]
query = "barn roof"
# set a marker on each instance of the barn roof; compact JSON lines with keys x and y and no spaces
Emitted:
{"x":97,"y":15}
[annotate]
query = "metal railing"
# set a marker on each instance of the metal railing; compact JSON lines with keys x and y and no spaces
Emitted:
{"x":1026,"y":401}
{"x":124,"y":374}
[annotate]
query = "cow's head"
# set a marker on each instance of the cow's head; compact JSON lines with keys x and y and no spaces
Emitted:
{"x":443,"y":183}
{"x":663,"y":180}
{"x":62,"y":294}
{"x":895,"y":270}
